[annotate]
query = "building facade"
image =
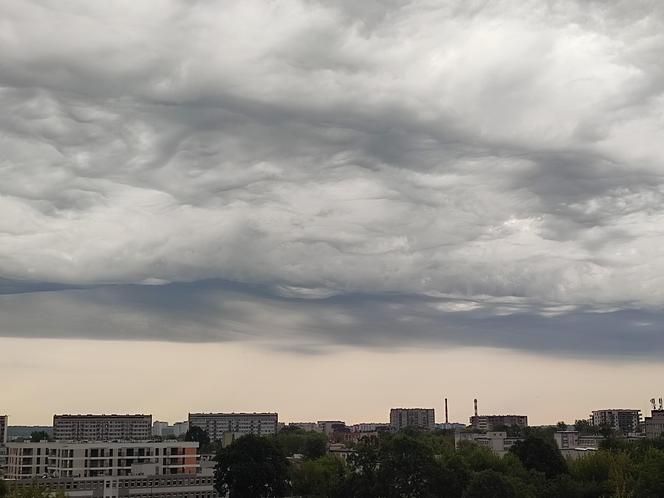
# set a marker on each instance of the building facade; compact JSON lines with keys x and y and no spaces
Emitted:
{"x":496,"y":441}
{"x":100,"y":459}
{"x":135,"y":486}
{"x":422,"y":418}
{"x":621,"y":420}
{"x":226,"y":427}
{"x":654,"y":425}
{"x":4,"y":419}
{"x":498,"y":422}
{"x":102,"y":427}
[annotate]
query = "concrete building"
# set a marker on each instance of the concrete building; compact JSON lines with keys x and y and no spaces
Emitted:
{"x":621,"y":419}
{"x":159,"y":429}
{"x":4,"y":419}
{"x":100,"y":459}
{"x":498,"y":422}
{"x":451,"y":426}
{"x":654,"y":425}
{"x":572,"y":444}
{"x":135,"y":486}
{"x":102,"y":427}
{"x":180,"y":428}
{"x":329,"y":427}
{"x":423,"y":418}
{"x":305,"y":426}
{"x":370,"y":427}
{"x":496,"y":441}
{"x":227,"y":427}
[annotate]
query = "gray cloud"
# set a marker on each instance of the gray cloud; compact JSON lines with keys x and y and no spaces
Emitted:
{"x":368,"y":156}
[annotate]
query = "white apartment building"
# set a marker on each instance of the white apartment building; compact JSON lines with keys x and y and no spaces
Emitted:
{"x":496,"y":441}
{"x":159,"y":429}
{"x":370,"y":427}
{"x":180,"y":428}
{"x":228,"y":426}
{"x":102,"y":427}
{"x":134,"y":486}
{"x":423,"y":418}
{"x":100,"y":459}
{"x":620,"y":419}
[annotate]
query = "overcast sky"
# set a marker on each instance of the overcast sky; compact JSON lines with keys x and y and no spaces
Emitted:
{"x":302,"y":177}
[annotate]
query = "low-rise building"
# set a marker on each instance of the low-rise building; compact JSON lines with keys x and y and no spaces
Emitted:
{"x":99,"y":459}
{"x":370,"y":427}
{"x":422,"y":418}
{"x":305,"y":426}
{"x":331,"y":426}
{"x":229,"y":426}
{"x":619,"y":419}
{"x":654,"y":425}
{"x":574,"y":445}
{"x":102,"y":427}
{"x":498,"y":422}
{"x":134,"y":486}
{"x":496,"y":441}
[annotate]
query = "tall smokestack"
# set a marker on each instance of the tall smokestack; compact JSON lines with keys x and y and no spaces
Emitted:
{"x":447,"y":420}
{"x":475,"y":402}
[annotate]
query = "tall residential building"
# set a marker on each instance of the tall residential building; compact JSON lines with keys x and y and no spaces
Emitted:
{"x":100,"y":459}
{"x":159,"y":429}
{"x":228,"y":426}
{"x":621,"y":419}
{"x":3,"y":429}
{"x":102,"y":427}
{"x":330,"y":426}
{"x":654,"y":425}
{"x":498,"y":422}
{"x":423,"y":418}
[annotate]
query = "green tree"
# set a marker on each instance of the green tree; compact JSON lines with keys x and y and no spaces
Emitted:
{"x":320,"y":478}
{"x":490,"y":484}
{"x":561,"y":426}
{"x":650,"y":480}
{"x":200,"y":436}
{"x":34,"y":491}
{"x":252,"y":467}
{"x":308,"y":443}
{"x":37,"y":436}
{"x":540,"y":455}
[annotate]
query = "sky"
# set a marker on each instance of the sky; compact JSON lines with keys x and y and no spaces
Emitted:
{"x":330,"y":208}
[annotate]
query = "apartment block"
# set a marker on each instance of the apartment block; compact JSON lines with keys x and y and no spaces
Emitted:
{"x":102,"y":427}
{"x":134,"y":486}
{"x":329,"y":427}
{"x":498,"y":422}
{"x":423,"y":418}
{"x":226,"y":427}
{"x":305,"y":426}
{"x":100,"y":459}
{"x":620,"y":419}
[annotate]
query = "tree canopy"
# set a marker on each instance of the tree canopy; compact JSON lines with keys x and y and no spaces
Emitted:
{"x":252,"y":467}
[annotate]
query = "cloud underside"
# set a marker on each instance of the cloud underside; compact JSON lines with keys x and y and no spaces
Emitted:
{"x":319,"y":173}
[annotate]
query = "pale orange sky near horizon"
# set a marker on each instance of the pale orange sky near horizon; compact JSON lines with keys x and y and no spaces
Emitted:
{"x":48,"y":376}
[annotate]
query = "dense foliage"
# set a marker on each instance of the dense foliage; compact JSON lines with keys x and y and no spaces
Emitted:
{"x":413,"y":464}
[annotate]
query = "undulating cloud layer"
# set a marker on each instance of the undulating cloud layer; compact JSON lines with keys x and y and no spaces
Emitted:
{"x":369,"y":173}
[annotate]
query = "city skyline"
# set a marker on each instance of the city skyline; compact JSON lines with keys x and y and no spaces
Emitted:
{"x":331,"y":208}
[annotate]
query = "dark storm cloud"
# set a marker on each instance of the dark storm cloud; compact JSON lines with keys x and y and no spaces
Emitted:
{"x":367,"y":156}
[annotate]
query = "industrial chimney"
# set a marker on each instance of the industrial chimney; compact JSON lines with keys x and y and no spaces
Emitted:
{"x":475,"y":402}
{"x":447,"y":420}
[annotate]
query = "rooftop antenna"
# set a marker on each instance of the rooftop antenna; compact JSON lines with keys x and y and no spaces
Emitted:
{"x":447,"y":420}
{"x":475,"y":403}
{"x":652,"y":402}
